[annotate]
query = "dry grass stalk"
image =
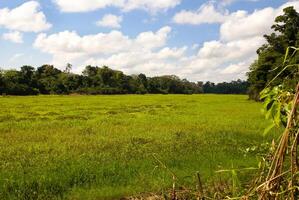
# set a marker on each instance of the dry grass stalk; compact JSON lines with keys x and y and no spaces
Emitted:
{"x":270,"y":189}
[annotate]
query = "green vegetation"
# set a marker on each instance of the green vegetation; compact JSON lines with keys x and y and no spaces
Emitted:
{"x":234,"y":87}
{"x":108,"y":147}
{"x":103,"y":80}
{"x":101,"y":147}
{"x":281,"y":104}
{"x":94,"y":80}
{"x":272,"y":54}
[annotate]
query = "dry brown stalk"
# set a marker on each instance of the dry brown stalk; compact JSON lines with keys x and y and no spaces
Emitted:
{"x":274,"y":177}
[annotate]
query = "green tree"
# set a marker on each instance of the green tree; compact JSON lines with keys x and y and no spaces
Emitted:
{"x":48,"y":80}
{"x":68,"y":68}
{"x":2,"y":83}
{"x":271,"y":54}
{"x":94,"y":80}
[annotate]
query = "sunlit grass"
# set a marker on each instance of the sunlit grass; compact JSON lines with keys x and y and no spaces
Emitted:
{"x":100,"y":147}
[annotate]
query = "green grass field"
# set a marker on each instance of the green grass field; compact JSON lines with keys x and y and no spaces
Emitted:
{"x":101,"y":147}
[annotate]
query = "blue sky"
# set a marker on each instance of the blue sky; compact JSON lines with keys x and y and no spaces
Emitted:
{"x":194,"y":39}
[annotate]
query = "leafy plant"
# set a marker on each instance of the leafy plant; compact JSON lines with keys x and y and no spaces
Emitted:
{"x":281,"y":105}
{"x":278,"y":100}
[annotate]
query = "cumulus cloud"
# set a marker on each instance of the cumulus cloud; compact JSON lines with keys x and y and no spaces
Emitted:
{"x":114,"y":48}
{"x":27,"y":18}
{"x":111,"y":21}
{"x":150,"y":5}
{"x":241,"y":33}
{"x":224,"y":59}
{"x":101,"y":44}
{"x":86,"y":5}
{"x":215,"y":59}
{"x":242,"y":24}
{"x":175,"y":53}
{"x":148,"y":53}
{"x":238,"y":68}
{"x":207,"y":13}
{"x":126,"y":5}
{"x":15,"y":37}
{"x":165,"y":61}
{"x":234,"y":50}
{"x":71,"y":42}
{"x":235,"y":25}
{"x":228,"y":2}
{"x":151,"y":40}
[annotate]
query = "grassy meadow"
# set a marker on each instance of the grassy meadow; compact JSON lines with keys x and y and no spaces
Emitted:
{"x":101,"y":147}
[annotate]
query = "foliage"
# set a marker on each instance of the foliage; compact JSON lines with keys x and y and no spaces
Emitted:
{"x":281,"y":104}
{"x":94,"y":80}
{"x":103,"y":80}
{"x":278,"y":99}
{"x":234,"y":87}
{"x":272,"y":54}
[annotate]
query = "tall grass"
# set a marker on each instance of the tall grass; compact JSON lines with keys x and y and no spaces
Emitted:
{"x":101,"y":147}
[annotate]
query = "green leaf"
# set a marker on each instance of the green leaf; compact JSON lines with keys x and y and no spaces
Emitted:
{"x":280,"y":74}
{"x":266,"y":103}
{"x":272,"y":110}
{"x":286,"y":55}
{"x":265,"y":93}
{"x":277,"y":117}
{"x":268,"y":129}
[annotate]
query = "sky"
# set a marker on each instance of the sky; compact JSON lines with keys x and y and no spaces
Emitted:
{"x":201,"y":40}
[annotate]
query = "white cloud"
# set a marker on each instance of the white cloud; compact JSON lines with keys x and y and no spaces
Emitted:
{"x":85,"y":5}
{"x":207,"y":13}
{"x":241,"y":33}
{"x":235,"y":25}
{"x":111,"y":21}
{"x":150,"y":5}
{"x":228,"y":2}
{"x":214,"y":57}
{"x":112,"y":48}
{"x":71,"y":42}
{"x":102,"y":43}
{"x":225,"y":59}
{"x":126,"y":5}
{"x":241,"y":24}
{"x":148,"y":53}
{"x":151,"y":40}
{"x":27,"y":18}
{"x":226,"y":51}
{"x":15,"y":37}
{"x":152,"y":63}
{"x":239,"y":68}
{"x":168,"y":53}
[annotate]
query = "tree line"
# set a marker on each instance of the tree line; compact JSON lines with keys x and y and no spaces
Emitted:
{"x":94,"y":80}
{"x":233,"y":87}
{"x":102,"y":80}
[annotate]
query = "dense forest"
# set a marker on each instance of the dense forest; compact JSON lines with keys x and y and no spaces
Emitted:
{"x":233,"y":87}
{"x":102,"y":80}
{"x":271,"y":56}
